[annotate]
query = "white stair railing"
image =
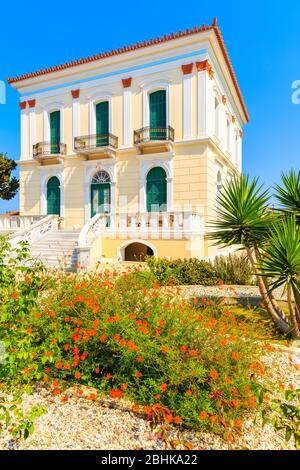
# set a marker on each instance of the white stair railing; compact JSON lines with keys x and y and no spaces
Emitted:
{"x":35,"y":231}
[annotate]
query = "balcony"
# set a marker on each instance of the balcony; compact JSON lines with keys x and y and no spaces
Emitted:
{"x":150,"y":139}
{"x":47,"y":153}
{"x":92,"y":147}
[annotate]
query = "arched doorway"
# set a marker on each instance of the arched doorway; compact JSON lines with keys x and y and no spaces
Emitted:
{"x":156,"y":190}
{"x":137,"y":252}
{"x":158,"y":115}
{"x":100,"y":193}
{"x":53,"y":196}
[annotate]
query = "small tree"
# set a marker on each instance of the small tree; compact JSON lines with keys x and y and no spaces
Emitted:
{"x":243,"y":219}
{"x":9,"y":185}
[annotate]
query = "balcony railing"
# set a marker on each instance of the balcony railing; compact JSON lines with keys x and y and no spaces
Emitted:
{"x":95,"y":142}
{"x":46,"y":149}
{"x":148,"y":134}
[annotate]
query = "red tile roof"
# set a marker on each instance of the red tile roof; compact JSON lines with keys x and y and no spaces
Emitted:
{"x":140,"y":45}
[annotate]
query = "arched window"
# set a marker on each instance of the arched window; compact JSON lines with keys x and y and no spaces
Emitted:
{"x":53,"y":196}
{"x":217,"y":117}
{"x":100,"y":193}
{"x":156,"y":190}
{"x":54,"y":121}
{"x":158,"y":115}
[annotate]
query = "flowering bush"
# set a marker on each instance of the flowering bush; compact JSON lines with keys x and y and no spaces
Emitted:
{"x":179,"y":362}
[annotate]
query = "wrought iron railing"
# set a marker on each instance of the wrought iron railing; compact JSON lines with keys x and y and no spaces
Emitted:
{"x":92,"y":142}
{"x":146,"y":134}
{"x":44,"y":149}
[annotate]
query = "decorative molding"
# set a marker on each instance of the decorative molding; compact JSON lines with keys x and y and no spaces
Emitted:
{"x":127,"y":82}
{"x":23,"y":104}
{"x":224,"y":99}
{"x":31,"y":103}
{"x":187,"y":68}
{"x":75,"y":94}
{"x":205,"y":66}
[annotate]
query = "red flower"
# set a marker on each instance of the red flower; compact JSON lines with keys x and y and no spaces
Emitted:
{"x":157,"y":397}
{"x":103,"y":338}
{"x":108,"y":376}
{"x":56,"y":391}
{"x":234,"y":355}
{"x":67,"y":319}
{"x":47,"y":370}
{"x":66,"y":347}
{"x":164,"y":349}
{"x":116,"y":393}
{"x":123,"y":386}
{"x":189,"y":392}
{"x":214,"y":374}
{"x":177,"y":419}
{"x":15,"y":295}
{"x":64,"y":399}
{"x":77,"y":375}
{"x":58,"y":365}
{"x":29,"y":330}
{"x":163,"y":387}
{"x":139,"y":374}
{"x":203,"y":415}
{"x":92,"y":396}
{"x":97,"y":370}
{"x":139,"y":358}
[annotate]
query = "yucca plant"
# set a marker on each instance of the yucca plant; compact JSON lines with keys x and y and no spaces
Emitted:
{"x":288,"y":193}
{"x":243,"y":218}
{"x":281,"y":264}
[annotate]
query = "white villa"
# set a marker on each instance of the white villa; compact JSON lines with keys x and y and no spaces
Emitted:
{"x":123,"y":153}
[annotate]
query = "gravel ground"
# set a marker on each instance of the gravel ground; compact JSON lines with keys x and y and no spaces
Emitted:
{"x":111,"y":424}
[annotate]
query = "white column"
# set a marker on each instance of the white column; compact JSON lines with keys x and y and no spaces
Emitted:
{"x":205,"y":100}
{"x":23,"y":132}
{"x":31,"y":127}
{"x":127,"y":138}
{"x":75,"y":115}
{"x":187,"y":100}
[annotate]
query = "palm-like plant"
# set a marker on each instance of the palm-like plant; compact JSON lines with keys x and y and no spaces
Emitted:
{"x":243,"y":219}
{"x":288,"y":194}
{"x":281,"y":263}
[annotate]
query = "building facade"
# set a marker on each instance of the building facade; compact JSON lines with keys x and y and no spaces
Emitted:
{"x":133,"y":145}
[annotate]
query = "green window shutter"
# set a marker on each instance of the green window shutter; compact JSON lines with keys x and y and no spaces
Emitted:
{"x":102,"y":123}
{"x":158,"y":115}
{"x":156,"y":190}
{"x":53,"y":196}
{"x":55,"y":131}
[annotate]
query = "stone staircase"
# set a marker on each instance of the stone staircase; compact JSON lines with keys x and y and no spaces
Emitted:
{"x":57,"y":249}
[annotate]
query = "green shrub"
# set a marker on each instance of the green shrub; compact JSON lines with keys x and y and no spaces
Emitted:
{"x":233,"y":269}
{"x":182,"y":272}
{"x":136,"y":280}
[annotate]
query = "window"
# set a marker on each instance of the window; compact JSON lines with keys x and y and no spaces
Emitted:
{"x":156,"y":191}
{"x":216,"y":117}
{"x":228,"y":135}
{"x":53,"y":196}
{"x":219,"y":186}
{"x":100,"y":193}
{"x":102,"y":123}
{"x":54,"y":119}
{"x":157,"y":115}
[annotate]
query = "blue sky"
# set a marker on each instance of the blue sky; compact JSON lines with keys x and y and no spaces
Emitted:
{"x":262,"y":37}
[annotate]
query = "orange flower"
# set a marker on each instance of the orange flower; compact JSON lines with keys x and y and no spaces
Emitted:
{"x":157,"y":397}
{"x":148,"y":410}
{"x":56,"y":391}
{"x":189,"y":392}
{"x":97,"y":370}
{"x":136,"y":408}
{"x":58,"y":365}
{"x":139,"y":359}
{"x":163,"y":387}
{"x":203,"y":415}
{"x":169,"y":418}
{"x":64,"y":399}
{"x":213,"y":419}
{"x":164,"y":349}
{"x":108,"y":376}
{"x":177,"y":419}
{"x":92,"y":396}
{"x":15,"y":295}
{"x":123,"y":386}
{"x":77,"y":375}
{"x":47,"y":370}
{"x":103,"y":338}
{"x":139,"y":374}
{"x":214,"y":374}
{"x":66,"y":347}
{"x":234,"y":355}
{"x":29,"y":330}
{"x":67,"y":319}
